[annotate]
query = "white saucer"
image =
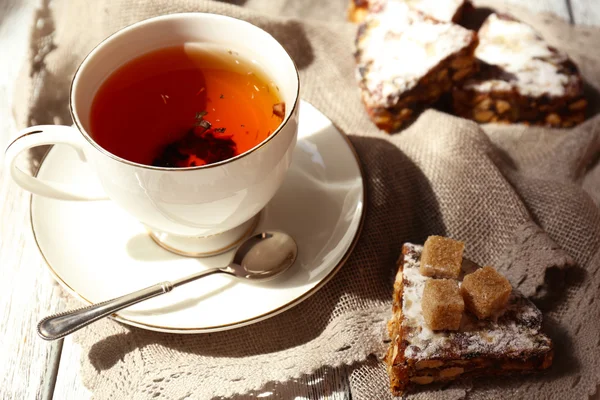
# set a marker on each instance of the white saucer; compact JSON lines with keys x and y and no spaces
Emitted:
{"x":98,"y":252}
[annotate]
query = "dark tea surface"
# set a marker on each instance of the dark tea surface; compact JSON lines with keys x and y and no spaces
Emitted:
{"x":185,"y":106}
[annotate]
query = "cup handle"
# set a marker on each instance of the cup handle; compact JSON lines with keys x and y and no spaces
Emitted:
{"x":42,"y":135}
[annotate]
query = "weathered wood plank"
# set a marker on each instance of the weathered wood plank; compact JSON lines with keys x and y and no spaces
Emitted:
{"x":26,"y":371}
{"x":586,"y":12}
{"x":68,"y":383}
{"x":27,"y":366}
{"x":49,"y":378}
{"x":15,"y":19}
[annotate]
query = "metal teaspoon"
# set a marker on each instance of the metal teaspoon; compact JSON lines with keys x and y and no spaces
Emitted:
{"x":260,"y":257}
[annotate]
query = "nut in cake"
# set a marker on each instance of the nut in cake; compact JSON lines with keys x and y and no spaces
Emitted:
{"x":509,"y":343}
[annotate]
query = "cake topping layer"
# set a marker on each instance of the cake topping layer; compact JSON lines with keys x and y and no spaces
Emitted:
{"x":398,"y":46}
{"x":523,"y":61}
{"x":515,"y":333}
{"x":442,"y":10}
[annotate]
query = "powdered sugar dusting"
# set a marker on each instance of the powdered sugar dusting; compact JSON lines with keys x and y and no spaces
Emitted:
{"x":515,"y":332}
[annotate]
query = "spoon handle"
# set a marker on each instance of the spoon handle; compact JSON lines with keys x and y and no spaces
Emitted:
{"x":60,"y":325}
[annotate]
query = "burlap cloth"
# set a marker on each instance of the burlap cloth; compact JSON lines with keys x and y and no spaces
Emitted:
{"x":524,"y":199}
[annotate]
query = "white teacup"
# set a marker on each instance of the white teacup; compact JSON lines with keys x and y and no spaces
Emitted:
{"x":196,"y":211}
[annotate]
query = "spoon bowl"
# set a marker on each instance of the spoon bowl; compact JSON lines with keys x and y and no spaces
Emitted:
{"x":264,"y":256}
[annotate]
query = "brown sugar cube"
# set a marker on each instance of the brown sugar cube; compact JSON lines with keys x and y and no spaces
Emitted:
{"x":485,"y":292}
{"x":441,"y":257}
{"x":442,"y":304}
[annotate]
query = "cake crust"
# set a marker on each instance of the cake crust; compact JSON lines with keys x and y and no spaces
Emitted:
{"x":513,"y":343}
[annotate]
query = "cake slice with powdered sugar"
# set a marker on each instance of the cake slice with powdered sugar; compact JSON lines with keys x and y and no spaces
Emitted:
{"x":511,"y":342}
{"x":406,"y":60}
{"x":521,"y":79}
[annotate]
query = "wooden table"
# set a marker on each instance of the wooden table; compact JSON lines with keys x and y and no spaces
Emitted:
{"x":31,"y":368}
